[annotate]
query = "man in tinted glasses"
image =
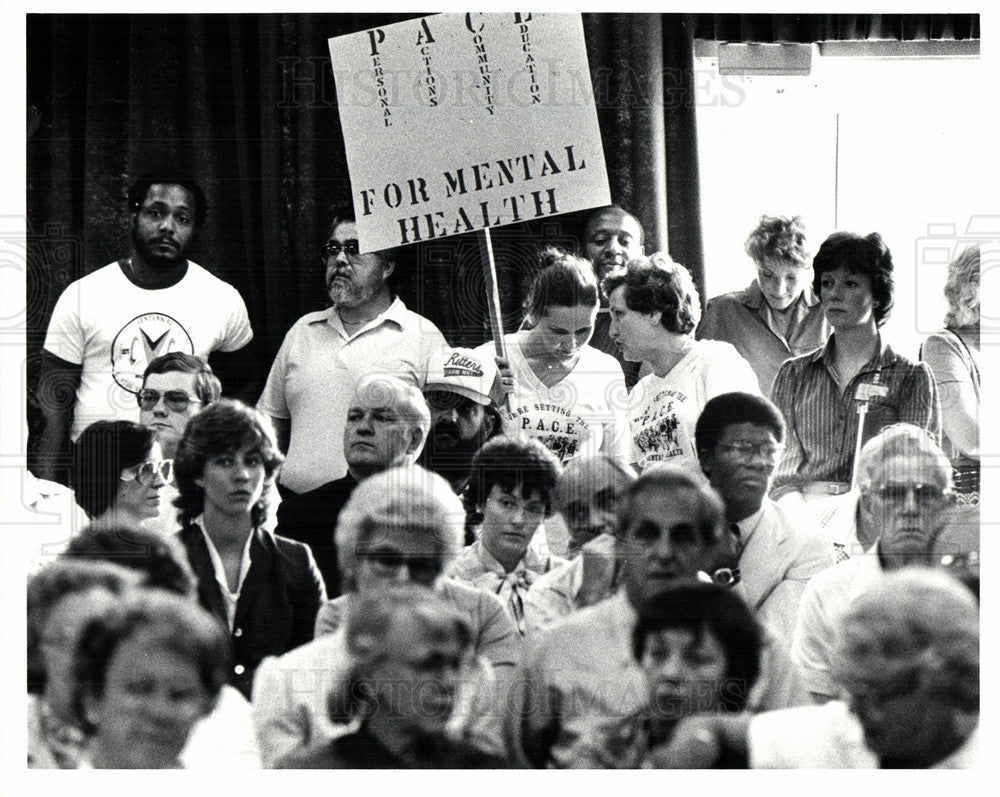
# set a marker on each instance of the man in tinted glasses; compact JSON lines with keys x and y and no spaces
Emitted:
{"x":739,"y":439}
{"x":905,"y":484}
{"x":175,"y":386}
{"x":325,"y":355}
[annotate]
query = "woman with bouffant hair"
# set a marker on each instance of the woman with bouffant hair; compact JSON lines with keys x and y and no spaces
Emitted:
{"x":564,"y":393}
{"x":778,"y":316}
{"x":145,"y":671}
{"x":822,"y":394}
{"x":953,"y":355}
{"x":266,"y":589}
{"x":655,"y":308}
{"x":408,"y":650}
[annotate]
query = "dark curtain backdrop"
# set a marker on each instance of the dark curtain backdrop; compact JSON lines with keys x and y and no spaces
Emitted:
{"x":246,"y":104}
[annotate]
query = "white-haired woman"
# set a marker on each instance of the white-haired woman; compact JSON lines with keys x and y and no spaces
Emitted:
{"x":408,"y":648}
{"x":953,"y":355}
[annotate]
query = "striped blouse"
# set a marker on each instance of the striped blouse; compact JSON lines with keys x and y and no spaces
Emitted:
{"x":822,"y":420}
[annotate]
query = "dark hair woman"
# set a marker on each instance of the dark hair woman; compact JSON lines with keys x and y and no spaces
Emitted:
{"x":856,"y":377}
{"x":265,"y":588}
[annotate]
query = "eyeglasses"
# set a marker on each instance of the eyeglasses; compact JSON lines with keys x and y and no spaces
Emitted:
{"x":393,"y":559}
{"x":334,"y":248}
{"x":925,"y":494}
{"x":176,"y":400}
{"x":745,"y":451}
{"x":147,"y":472}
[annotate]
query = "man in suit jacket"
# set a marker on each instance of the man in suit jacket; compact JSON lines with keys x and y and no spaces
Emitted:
{"x":739,"y":438}
{"x":386,"y":426}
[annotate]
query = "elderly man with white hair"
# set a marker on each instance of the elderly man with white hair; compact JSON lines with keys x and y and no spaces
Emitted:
{"x":387,"y":424}
{"x":402,"y":525}
{"x":907,"y":668}
{"x":905,"y":485}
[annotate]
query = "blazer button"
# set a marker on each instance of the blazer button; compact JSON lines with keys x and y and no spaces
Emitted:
{"x":238,"y":632}
{"x":239,"y":669}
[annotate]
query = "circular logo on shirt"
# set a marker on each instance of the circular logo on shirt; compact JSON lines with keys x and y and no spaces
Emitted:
{"x":142,"y":339}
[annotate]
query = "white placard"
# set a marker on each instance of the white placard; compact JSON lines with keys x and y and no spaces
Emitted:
{"x":461,"y":122}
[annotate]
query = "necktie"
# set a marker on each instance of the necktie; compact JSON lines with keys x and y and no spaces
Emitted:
{"x":512,"y":590}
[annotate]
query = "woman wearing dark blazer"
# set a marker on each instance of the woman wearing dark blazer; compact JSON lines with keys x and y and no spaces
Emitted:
{"x":265,"y":588}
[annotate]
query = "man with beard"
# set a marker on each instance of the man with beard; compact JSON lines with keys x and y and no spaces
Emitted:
{"x":325,"y":355}
{"x":107,"y":326}
{"x":463,"y":416}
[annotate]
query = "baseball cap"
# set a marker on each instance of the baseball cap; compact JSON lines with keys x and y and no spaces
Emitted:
{"x":461,"y":371}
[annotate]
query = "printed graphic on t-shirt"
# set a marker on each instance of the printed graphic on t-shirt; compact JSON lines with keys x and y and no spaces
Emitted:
{"x":656,"y":427}
{"x":559,"y":430}
{"x":142,"y":339}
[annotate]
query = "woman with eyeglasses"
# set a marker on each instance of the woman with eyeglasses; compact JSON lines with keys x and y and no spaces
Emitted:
{"x":856,"y":378}
{"x":119,"y":472}
{"x":264,"y":588}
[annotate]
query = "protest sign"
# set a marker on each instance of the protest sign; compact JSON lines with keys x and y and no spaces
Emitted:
{"x":454,"y":123}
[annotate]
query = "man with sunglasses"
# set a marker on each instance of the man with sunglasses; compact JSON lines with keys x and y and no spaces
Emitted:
{"x":739,"y":438}
{"x":325,"y":354}
{"x":175,"y":386}
{"x":905,"y":492}
{"x":109,"y":324}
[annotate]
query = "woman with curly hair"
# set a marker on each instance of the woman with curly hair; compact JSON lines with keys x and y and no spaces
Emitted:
{"x":566,"y":394}
{"x":145,"y":671}
{"x":953,"y":355}
{"x":855,"y":378}
{"x":408,"y":651}
{"x":265,"y":588}
{"x":654,"y":311}
{"x":778,"y":316}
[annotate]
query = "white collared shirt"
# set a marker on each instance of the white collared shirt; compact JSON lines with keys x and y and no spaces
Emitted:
{"x":230,"y":599}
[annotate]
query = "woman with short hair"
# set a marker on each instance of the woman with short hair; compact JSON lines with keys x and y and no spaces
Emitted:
{"x":62,"y":596}
{"x":856,"y":375}
{"x":266,"y":589}
{"x":407,"y":650}
{"x":778,"y":316}
{"x":699,"y":648}
{"x":655,"y":308}
{"x":566,"y":394}
{"x":145,"y":672}
{"x":118,"y":472}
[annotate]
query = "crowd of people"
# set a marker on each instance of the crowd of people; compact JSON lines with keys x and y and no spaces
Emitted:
{"x":755,"y":545}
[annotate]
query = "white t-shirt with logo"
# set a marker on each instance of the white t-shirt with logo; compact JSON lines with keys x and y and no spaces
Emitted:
{"x":663,"y":410}
{"x":582,"y":415}
{"x":113,"y":328}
